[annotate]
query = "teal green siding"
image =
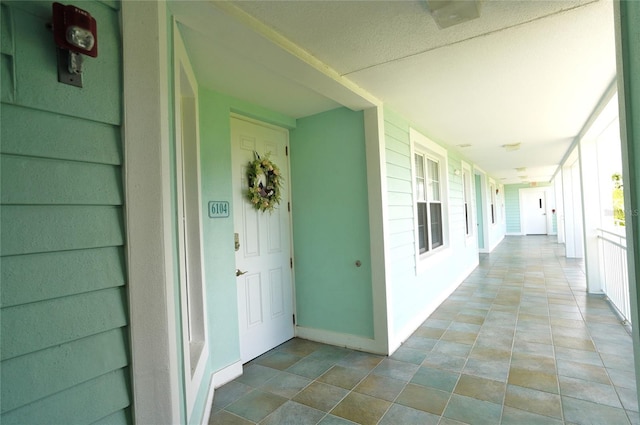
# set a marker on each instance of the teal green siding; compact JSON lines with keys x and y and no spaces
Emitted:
{"x":63,"y":329}
{"x":512,"y":206}
{"x":330,"y":223}
{"x":413,"y":288}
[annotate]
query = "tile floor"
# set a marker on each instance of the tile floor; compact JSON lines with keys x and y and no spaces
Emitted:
{"x":519,"y":342}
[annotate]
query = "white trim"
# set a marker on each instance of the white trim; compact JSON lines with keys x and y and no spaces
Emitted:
{"x":147,"y":186}
{"x":339,"y":339}
{"x":193,"y":374}
{"x":216,"y":380}
{"x":206,"y":415}
{"x":376,"y":190}
{"x":227,"y":374}
{"x":401,"y":336}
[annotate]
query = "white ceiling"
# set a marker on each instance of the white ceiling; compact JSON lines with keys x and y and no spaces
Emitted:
{"x":528,"y":72}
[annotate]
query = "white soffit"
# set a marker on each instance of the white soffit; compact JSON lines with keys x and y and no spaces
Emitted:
{"x":527,"y":72}
{"x":236,"y":55}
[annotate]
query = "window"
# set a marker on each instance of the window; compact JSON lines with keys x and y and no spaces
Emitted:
{"x":430,"y":189}
{"x":429,"y":203}
{"x":492,"y":189}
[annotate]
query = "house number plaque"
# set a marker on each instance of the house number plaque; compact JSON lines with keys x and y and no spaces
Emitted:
{"x":218,"y":209}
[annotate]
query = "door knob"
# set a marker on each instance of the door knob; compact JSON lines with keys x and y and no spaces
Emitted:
{"x":239,"y":273}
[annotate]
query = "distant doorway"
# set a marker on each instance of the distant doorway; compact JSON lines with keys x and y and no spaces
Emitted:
{"x":533,"y":211}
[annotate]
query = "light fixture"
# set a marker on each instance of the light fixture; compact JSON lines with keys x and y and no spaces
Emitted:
{"x":448,"y":13}
{"x":511,"y":147}
{"x":75,"y":33}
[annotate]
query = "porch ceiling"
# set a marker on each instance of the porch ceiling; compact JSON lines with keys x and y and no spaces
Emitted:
{"x":528,"y":72}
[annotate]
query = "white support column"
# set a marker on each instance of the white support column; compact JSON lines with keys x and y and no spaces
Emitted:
{"x":152,"y":304}
{"x":591,"y":212}
{"x":377,"y":189}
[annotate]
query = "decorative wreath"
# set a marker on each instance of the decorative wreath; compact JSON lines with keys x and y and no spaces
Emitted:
{"x":264,"y":183}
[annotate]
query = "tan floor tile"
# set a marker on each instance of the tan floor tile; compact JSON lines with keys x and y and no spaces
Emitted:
{"x":534,"y":401}
{"x":533,"y":379}
{"x":481,"y":388}
{"x":361,"y":408}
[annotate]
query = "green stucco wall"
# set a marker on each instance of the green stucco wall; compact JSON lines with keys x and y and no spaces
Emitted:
{"x":64,"y":335}
{"x":330,"y":223}
{"x":218,"y":241}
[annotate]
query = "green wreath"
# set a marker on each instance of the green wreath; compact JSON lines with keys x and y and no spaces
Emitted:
{"x":265,"y":183}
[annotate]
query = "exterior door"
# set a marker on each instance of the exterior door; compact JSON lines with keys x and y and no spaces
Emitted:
{"x":263,"y":249}
{"x":535,"y":212}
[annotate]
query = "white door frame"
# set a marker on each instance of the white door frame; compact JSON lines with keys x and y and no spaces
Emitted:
{"x":523,"y":214}
{"x":287,"y":187}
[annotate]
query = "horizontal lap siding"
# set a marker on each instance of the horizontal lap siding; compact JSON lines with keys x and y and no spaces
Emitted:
{"x":400,"y":198}
{"x":64,"y":313}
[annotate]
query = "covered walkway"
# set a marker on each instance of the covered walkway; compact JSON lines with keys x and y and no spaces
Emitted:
{"x":519,"y":342}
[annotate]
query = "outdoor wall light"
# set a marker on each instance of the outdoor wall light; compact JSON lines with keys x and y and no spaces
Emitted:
{"x":75,"y":33}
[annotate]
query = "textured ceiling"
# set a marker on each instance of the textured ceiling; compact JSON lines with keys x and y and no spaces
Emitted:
{"x":528,"y":72}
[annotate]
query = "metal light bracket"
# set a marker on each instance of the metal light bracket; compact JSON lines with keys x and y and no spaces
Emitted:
{"x":70,"y":67}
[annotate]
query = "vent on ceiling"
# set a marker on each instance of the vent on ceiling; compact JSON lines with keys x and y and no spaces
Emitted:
{"x":464,"y":145}
{"x":521,"y":169}
{"x":448,"y":13}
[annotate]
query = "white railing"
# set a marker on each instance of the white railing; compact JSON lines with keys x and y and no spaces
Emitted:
{"x":613,"y":258}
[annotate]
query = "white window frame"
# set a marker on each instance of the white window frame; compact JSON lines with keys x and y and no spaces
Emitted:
{"x":468,"y":183}
{"x":493,"y":211}
{"x":421,"y":145}
{"x":195,"y":343}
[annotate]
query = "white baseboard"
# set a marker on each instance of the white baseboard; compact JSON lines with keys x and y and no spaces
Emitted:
{"x":342,"y":340}
{"x":227,"y":374}
{"x":514,"y":234}
{"x":217,"y":380}
{"x":419,"y":319}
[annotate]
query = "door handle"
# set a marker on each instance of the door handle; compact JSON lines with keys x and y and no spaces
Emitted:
{"x":240,"y":273}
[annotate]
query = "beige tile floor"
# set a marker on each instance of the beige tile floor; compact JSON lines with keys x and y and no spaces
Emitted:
{"x":519,"y":342}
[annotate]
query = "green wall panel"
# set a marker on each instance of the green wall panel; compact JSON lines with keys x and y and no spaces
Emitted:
{"x":37,"y":277}
{"x":46,"y":372}
{"x":32,"y":229}
{"x":83,"y":404}
{"x":31,"y":327}
{"x":58,"y":136}
{"x":121,"y":417}
{"x":330,"y":223}
{"x":63,"y":322}
{"x":50,"y":181}
{"x":512,"y":206}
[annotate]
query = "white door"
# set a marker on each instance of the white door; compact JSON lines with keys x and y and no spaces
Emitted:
{"x":263,"y":258}
{"x":534,"y":209}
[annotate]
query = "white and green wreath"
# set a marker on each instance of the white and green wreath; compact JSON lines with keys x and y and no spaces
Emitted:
{"x":265,"y":183}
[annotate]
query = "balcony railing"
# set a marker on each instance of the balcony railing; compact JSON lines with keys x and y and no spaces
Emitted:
{"x":613,"y":258}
